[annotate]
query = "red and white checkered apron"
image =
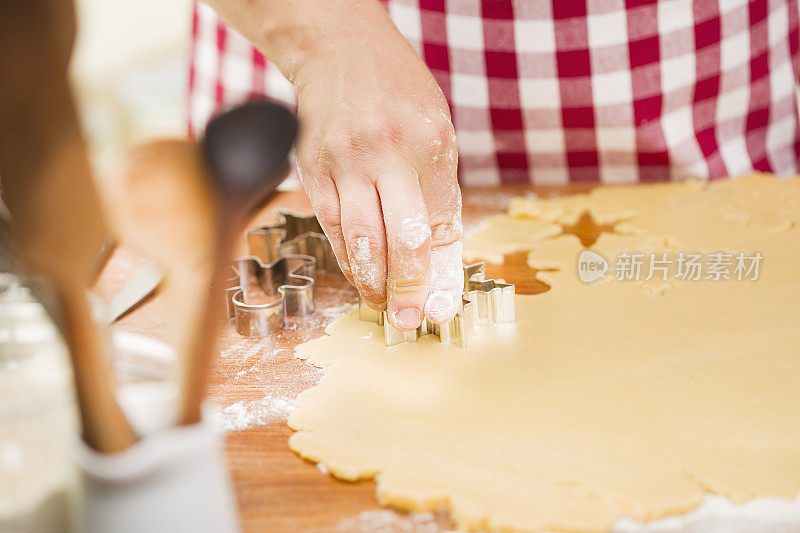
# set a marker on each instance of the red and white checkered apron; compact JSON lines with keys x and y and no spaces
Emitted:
{"x":553,"y":91}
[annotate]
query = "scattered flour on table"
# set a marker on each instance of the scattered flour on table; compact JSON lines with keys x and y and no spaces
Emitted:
{"x":719,"y":515}
{"x":245,"y":415}
{"x":337,"y":310}
{"x":242,"y":349}
{"x":388,"y":521}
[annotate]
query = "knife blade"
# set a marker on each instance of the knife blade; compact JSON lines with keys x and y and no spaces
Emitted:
{"x":138,"y":289}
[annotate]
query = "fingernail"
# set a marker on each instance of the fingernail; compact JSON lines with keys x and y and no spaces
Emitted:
{"x":440,"y":306}
{"x":407,"y":318}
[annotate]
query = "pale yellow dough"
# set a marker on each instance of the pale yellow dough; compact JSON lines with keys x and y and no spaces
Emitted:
{"x":618,"y":399}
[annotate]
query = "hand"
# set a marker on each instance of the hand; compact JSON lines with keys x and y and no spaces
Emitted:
{"x":377,"y":153}
{"x":377,"y":157}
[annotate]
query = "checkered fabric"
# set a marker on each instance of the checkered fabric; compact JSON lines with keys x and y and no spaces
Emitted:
{"x":558,"y":91}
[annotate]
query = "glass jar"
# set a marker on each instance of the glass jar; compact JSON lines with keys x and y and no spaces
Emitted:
{"x":38,"y":419}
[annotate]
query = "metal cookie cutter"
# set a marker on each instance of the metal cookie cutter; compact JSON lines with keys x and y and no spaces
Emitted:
{"x":484,"y":302}
{"x":287,"y":284}
{"x":293,"y":234}
{"x":277,"y":279}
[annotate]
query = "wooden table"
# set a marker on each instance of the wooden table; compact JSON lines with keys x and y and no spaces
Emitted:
{"x":276,"y":490}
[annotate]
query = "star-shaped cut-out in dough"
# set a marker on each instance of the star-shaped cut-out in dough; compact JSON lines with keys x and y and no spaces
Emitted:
{"x":515,"y":269}
{"x":587,"y":229}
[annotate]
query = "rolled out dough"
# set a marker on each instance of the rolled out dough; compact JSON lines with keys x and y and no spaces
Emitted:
{"x":604,"y":401}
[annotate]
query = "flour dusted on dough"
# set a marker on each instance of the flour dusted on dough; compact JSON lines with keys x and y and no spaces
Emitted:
{"x":619,"y":399}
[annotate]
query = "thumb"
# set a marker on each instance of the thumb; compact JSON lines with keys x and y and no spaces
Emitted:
{"x":408,"y":237}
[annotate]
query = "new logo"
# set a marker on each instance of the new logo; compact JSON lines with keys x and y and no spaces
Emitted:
{"x":592,"y":266}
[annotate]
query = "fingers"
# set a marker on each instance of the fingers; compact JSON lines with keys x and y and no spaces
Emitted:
{"x":364,"y":237}
{"x":324,"y":199}
{"x":348,"y":208}
{"x":386,"y":194}
{"x":408,"y":243}
{"x":439,"y":184}
{"x":446,"y":283}
{"x":401,"y":242}
{"x":446,"y":280}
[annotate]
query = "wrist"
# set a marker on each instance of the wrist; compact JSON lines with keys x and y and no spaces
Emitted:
{"x":312,"y":33}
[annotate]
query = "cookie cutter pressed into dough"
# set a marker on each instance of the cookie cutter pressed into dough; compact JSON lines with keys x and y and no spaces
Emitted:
{"x":483,"y":302}
{"x":282,"y":265}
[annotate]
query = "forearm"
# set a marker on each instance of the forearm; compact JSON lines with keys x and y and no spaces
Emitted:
{"x":291,"y":33}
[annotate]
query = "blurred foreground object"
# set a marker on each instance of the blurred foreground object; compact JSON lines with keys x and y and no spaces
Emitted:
{"x":57,"y":224}
{"x":182,"y":205}
{"x":38,"y":422}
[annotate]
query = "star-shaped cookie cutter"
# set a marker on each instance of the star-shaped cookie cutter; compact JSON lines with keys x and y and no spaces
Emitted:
{"x":293,"y":234}
{"x":483,"y":302}
{"x":281,"y":269}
